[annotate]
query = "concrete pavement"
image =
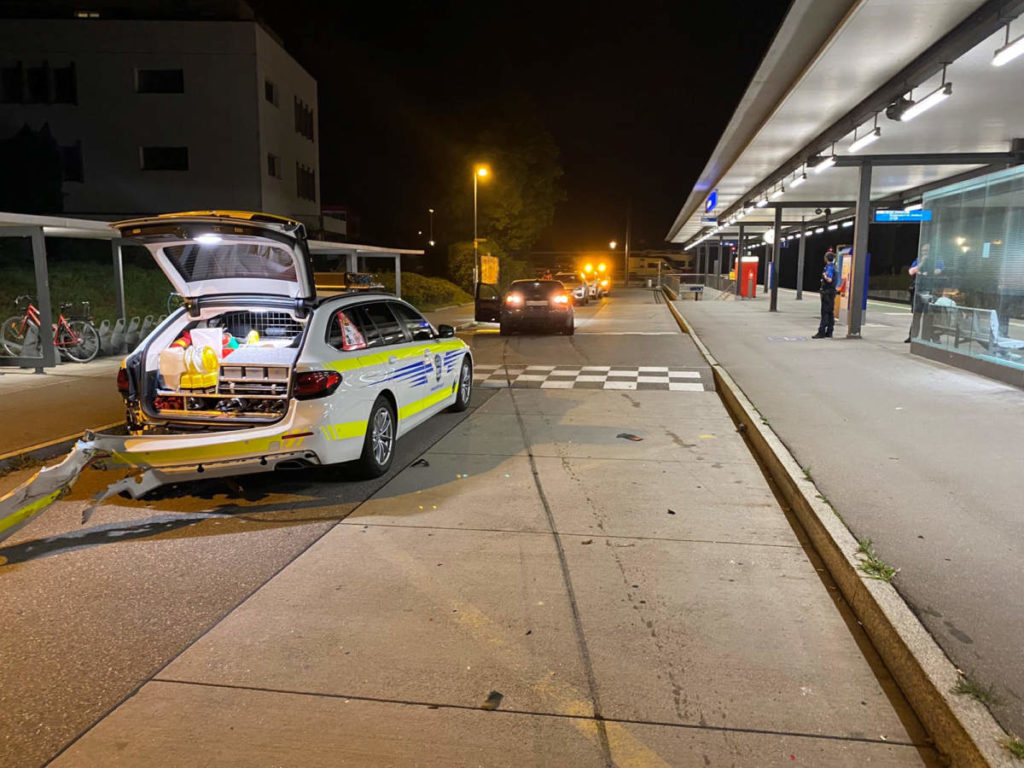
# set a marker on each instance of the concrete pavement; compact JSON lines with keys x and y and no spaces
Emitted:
{"x":617,"y":601}
{"x":923,"y":459}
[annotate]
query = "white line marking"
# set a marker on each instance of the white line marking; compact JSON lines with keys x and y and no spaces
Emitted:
{"x":532,"y":377}
{"x":685,"y":386}
{"x":557,"y":385}
{"x":653,"y":369}
{"x":590,"y":378}
{"x":684,"y":374}
{"x":652,"y":379}
{"x":620,"y":385}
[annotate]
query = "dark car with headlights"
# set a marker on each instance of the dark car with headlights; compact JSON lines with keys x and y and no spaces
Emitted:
{"x":528,"y":304}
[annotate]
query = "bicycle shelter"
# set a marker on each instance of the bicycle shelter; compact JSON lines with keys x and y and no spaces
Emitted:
{"x":37,"y":228}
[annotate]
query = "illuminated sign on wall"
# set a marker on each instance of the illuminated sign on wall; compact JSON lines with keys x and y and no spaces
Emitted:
{"x":899,"y":216}
{"x":711,"y":202}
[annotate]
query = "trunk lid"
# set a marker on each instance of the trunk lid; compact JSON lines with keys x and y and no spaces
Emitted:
{"x":209,"y":253}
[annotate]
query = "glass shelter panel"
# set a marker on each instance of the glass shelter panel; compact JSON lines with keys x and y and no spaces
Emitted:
{"x":970,"y":284}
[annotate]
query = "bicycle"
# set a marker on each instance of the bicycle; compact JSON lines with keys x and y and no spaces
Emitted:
{"x":76,"y":340}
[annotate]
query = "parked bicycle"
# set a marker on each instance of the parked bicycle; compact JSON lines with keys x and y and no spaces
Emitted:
{"x":76,"y":340}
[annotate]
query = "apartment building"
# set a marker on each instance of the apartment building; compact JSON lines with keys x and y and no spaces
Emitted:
{"x":161,"y":114}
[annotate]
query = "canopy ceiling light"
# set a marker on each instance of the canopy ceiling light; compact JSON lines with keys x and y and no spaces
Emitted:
{"x":1010,"y":51}
{"x":798,"y":180}
{"x":778,"y":192}
{"x":905,"y":109}
{"x":825,"y":162}
{"x":868,"y":138}
{"x":762,"y":202}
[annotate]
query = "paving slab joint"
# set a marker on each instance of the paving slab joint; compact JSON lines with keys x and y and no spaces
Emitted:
{"x":962,"y":730}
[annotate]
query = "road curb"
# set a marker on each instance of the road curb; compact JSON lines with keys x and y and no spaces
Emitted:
{"x":962,"y":729}
{"x":51,"y":448}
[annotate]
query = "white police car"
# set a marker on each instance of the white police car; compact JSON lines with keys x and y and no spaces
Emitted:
{"x":257,"y":372}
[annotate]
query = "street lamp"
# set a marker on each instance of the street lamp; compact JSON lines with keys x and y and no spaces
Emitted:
{"x":431,"y":240}
{"x":612,"y":245}
{"x":479,"y":172}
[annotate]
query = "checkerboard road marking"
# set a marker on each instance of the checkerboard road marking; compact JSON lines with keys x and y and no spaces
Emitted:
{"x":644,"y":377}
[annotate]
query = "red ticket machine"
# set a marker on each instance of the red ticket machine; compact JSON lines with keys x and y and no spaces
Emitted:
{"x":748,"y":276}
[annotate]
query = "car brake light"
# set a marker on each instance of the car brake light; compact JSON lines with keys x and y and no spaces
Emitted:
{"x":515,"y":299}
{"x":122,"y":381}
{"x":312,"y":384}
{"x":561,"y":298}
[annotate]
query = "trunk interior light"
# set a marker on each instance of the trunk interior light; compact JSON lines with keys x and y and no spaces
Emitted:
{"x":313,"y":384}
{"x":209,"y":239}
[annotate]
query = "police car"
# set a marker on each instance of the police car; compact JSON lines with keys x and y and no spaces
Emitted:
{"x":258,"y":372}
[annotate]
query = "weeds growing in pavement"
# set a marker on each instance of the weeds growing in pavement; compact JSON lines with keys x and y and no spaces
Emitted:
{"x":872,"y":564}
{"x":968,"y":686}
{"x":18,"y":463}
{"x":1015,"y":747}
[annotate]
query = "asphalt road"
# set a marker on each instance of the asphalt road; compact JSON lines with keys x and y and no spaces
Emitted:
{"x":204,"y":625}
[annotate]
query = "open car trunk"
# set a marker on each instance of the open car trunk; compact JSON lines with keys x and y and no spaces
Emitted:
{"x":231,"y":365}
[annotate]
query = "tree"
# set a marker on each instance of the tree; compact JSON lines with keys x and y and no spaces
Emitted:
{"x":517,"y":202}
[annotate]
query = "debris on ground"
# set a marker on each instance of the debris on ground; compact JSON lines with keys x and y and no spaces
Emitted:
{"x":493,"y":701}
{"x":671,"y":511}
{"x":421,"y":463}
{"x":629,"y":436}
{"x":587,"y":541}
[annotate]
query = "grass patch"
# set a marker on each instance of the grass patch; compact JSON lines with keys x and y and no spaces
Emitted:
{"x":968,"y":686}
{"x":1015,"y":747}
{"x":872,"y":565}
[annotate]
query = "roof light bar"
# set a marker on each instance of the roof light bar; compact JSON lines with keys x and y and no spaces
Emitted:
{"x":934,"y":98}
{"x":833,"y":227}
{"x":1008,"y":52}
{"x":848,"y":223}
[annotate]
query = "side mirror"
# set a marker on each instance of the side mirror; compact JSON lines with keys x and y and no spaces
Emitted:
{"x":445,"y":331}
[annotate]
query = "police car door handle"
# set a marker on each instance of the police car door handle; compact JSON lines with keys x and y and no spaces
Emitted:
{"x":392,"y":360}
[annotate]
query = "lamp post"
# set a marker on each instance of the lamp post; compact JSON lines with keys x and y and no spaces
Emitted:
{"x":479,"y":172}
{"x":431,"y":240}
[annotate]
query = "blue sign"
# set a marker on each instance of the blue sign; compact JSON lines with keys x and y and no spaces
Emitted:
{"x":711,"y":202}
{"x":895,"y":217}
{"x":709,"y":220}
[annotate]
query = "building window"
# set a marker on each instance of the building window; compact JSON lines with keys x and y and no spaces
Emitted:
{"x":164,"y":158}
{"x":38,"y":81}
{"x":273,"y":165}
{"x":71,"y":162}
{"x":12,"y":80}
{"x":87,"y":14}
{"x":303,"y":119}
{"x":159,"y":81}
{"x":270,"y":92}
{"x":65,"y":85}
{"x":305,"y":182}
{"x":38,"y":85}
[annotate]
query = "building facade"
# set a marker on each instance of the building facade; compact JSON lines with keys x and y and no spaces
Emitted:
{"x":157,"y":115}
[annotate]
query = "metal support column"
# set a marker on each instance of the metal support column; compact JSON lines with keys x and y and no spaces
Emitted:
{"x":122,"y":310}
{"x":718,"y":264}
{"x":858,"y":288}
{"x":739,"y":259}
{"x":398,"y":275}
{"x":351,"y":262}
{"x":801,"y":247}
{"x":776,"y":261}
{"x":49,"y":359}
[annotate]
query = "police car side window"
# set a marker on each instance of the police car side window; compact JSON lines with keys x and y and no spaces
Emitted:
{"x":365,"y":325}
{"x":415,"y":324}
{"x":390,"y":330}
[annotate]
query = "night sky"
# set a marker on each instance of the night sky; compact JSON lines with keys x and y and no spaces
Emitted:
{"x":635,"y":94}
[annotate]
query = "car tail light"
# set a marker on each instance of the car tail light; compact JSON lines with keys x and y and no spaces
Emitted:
{"x":312,"y":384}
{"x":514,"y":299}
{"x":560,"y":298}
{"x":122,"y":381}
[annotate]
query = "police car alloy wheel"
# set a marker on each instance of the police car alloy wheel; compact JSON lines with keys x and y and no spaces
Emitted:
{"x":465,"y":387}
{"x":379,"y":444}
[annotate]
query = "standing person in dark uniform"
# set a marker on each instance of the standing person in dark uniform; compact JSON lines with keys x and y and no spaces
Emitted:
{"x":916,"y":304}
{"x":829,"y":281}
